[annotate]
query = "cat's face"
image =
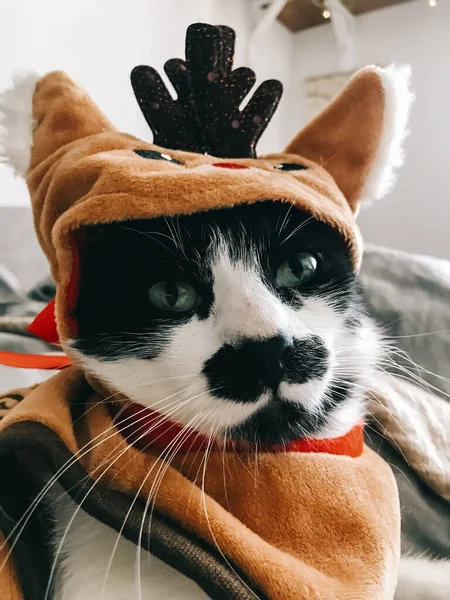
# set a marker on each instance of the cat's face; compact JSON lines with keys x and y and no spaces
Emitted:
{"x":242,"y":322}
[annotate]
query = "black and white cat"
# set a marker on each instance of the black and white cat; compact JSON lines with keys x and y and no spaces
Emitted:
{"x":256,"y":308}
{"x":243,"y":323}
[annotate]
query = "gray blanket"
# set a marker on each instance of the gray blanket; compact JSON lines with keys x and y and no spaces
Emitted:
{"x":408,"y":295}
{"x":16,"y":303}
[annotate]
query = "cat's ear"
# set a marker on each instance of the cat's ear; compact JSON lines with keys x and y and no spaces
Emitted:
{"x":358,"y":138}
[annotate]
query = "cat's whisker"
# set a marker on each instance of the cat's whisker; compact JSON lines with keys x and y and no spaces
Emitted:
{"x":164,"y":465}
{"x":151,"y":236}
{"x":79,"y":506}
{"x":391,"y":441}
{"x":405,"y":356}
{"x":152,"y":495}
{"x":166,"y":461}
{"x":383,"y":432}
{"x":132,"y":420}
{"x":224,"y":455}
{"x":192,"y":444}
{"x":108,"y":399}
{"x":285,"y":220}
{"x":178,"y":406}
{"x":408,"y":393}
{"x":175,"y":443}
{"x":296,"y":230}
{"x":413,"y":378}
{"x":184,"y":431}
{"x":110,"y":464}
{"x":416,"y":335}
{"x":205,"y":508}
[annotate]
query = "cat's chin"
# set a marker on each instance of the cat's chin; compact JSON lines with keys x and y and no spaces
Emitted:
{"x":280,"y":422}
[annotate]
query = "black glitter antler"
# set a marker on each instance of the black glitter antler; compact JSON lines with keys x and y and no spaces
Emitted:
{"x":205,"y":117}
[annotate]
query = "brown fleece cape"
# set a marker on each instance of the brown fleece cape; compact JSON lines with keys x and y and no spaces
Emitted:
{"x":283,"y":526}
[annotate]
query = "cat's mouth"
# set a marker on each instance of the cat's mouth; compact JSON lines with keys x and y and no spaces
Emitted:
{"x":281,"y":420}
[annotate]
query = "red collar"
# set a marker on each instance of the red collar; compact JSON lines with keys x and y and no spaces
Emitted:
{"x":147,"y":429}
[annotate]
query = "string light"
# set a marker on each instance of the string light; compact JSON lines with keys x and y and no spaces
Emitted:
{"x":326,"y":14}
{"x":432,"y":3}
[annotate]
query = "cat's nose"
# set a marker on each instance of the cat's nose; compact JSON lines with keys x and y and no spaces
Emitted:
{"x":266,"y":358}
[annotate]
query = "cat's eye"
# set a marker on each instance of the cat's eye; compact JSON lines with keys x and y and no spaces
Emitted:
{"x":290,"y":167}
{"x":153,"y":155}
{"x":297,"y":270}
{"x":173,"y":296}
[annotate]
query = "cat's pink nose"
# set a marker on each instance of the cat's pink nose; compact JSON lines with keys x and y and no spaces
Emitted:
{"x":226,"y":165}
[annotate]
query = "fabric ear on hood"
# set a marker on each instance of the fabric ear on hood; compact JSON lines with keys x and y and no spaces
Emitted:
{"x":358,"y":138}
{"x":62,"y":113}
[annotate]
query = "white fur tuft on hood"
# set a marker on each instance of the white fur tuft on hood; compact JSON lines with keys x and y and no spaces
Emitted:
{"x":398,"y":100}
{"x":16,"y":122}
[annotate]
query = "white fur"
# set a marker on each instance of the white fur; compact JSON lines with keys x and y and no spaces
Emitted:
{"x":423,"y":579}
{"x":85,"y":552}
{"x":398,"y":100}
{"x":173,"y":383}
{"x":310,"y":394}
{"x":181,"y":398}
{"x":16,"y":122}
{"x":244,"y":306}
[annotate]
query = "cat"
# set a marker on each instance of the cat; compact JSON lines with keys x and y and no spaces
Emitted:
{"x":258,"y":309}
{"x":258,"y":306}
{"x":246,"y":323}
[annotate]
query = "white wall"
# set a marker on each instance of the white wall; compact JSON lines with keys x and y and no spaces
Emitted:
{"x":98,"y":42}
{"x":416,"y":215}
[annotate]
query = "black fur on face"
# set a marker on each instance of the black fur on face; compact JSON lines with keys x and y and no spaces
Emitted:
{"x":190,"y":296}
{"x":245,"y":370}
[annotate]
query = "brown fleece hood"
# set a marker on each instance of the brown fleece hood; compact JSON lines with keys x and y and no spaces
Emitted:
{"x":83,"y":171}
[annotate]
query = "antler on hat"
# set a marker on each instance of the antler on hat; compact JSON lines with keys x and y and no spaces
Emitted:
{"x":205,"y":117}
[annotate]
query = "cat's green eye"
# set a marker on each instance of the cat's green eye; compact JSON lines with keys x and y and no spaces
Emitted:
{"x":173,"y":296}
{"x":297,"y":270}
